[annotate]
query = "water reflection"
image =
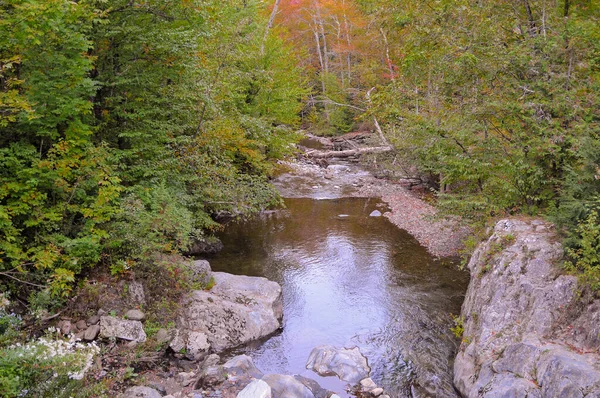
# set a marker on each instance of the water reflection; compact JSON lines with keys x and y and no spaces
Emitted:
{"x":354,"y":281}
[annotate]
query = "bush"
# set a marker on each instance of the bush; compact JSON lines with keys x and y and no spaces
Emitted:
{"x":586,"y":256}
{"x":47,"y":367}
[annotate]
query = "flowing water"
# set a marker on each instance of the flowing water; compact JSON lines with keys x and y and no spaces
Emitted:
{"x":349,"y":279}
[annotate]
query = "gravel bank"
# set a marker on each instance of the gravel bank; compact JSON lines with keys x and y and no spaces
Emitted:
{"x":441,"y":237}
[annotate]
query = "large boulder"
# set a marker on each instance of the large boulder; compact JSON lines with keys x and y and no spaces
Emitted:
{"x":526,"y":330}
{"x":122,"y":329}
{"x":237,"y":310}
{"x":347,"y":364}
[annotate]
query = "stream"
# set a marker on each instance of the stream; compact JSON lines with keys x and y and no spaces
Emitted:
{"x":348,"y":280}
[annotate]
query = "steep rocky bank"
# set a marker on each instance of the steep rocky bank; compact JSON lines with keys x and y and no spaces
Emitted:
{"x":527,"y":330}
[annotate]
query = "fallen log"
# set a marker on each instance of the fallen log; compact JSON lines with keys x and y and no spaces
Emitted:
{"x":347,"y":153}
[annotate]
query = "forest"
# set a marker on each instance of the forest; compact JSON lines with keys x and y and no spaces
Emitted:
{"x":128,"y":127}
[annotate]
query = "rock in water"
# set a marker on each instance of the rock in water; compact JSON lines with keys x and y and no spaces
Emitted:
{"x":285,"y":386}
{"x":525,"y":331}
{"x":347,"y":364}
{"x":242,"y":364}
{"x":237,"y":310}
{"x":375,"y":213}
{"x":256,"y":389}
{"x":122,"y":329}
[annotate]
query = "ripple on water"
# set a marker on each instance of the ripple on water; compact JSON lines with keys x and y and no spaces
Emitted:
{"x":353,"y":282}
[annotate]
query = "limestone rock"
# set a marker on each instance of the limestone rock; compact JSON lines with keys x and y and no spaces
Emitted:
{"x":135,"y":315}
{"x":237,"y":310}
{"x":256,"y":389}
{"x":122,"y":329}
{"x":347,"y":364}
{"x":518,"y":312}
{"x":285,"y":386}
{"x":141,"y":392}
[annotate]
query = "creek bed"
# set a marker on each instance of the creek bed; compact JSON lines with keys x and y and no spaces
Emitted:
{"x":349,"y":279}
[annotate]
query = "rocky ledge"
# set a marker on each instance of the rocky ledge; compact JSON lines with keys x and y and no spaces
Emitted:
{"x":527,"y":330}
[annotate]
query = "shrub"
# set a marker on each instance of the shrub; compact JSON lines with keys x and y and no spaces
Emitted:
{"x":49,"y":366}
{"x":586,"y":256}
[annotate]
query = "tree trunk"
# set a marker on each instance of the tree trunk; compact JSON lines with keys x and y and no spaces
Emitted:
{"x":269,"y":26}
{"x":348,"y":153}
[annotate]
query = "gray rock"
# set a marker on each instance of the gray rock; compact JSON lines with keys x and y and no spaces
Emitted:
{"x":256,"y":389}
{"x":237,"y":310}
{"x":93,"y":320}
{"x":122,"y":329}
{"x":347,"y":364}
{"x":163,"y":336}
{"x":208,"y":245}
{"x":377,"y":391}
{"x":242,"y":365}
{"x":285,"y":386}
{"x":211,"y":360}
{"x":367,"y":384}
{"x":193,"y":344}
{"x":81,"y":325}
{"x":135,"y":315}
{"x":212,"y":376}
{"x":518,"y":316}
{"x":375,"y":213}
{"x":158,"y":387}
{"x":136,"y":293}
{"x":314,"y":387}
{"x":91,"y":332}
{"x":185,"y":378}
{"x":66,"y":327}
{"x":201,"y":272}
{"x":141,"y":392}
